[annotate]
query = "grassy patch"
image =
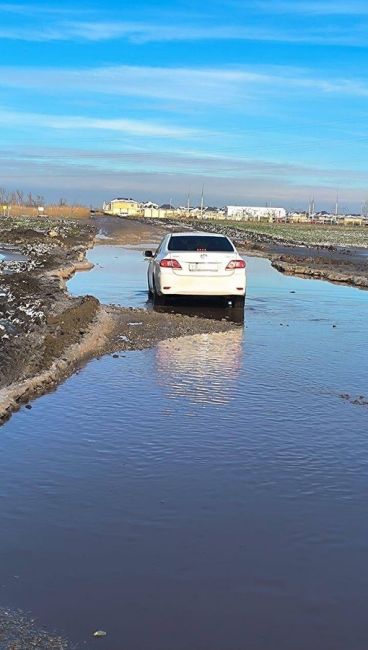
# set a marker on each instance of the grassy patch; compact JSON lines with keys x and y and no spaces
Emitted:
{"x":304,"y":233}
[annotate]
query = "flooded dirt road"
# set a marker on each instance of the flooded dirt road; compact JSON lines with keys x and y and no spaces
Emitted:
{"x":207,"y":494}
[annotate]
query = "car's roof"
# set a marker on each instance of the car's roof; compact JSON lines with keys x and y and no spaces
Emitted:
{"x":195,"y":233}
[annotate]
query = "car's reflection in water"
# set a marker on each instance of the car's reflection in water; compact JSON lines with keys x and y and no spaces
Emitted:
{"x":211,"y":308}
{"x":203,"y":368}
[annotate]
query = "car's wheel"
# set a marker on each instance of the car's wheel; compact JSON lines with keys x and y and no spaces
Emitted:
{"x":157,"y":298}
{"x":238,"y":302}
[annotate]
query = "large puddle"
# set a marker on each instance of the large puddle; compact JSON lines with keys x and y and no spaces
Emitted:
{"x":208,"y":494}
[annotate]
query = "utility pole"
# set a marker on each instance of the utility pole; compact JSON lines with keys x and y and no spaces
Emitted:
{"x":188,"y":205}
{"x":202,"y":201}
{"x":337,"y":205}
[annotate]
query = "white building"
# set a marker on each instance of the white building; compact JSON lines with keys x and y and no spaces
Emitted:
{"x":249,"y":213}
{"x":149,"y":205}
{"x":159,"y":213}
{"x":123,"y":207}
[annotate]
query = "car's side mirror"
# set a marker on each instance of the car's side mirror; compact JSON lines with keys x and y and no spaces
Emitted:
{"x":148,"y":254}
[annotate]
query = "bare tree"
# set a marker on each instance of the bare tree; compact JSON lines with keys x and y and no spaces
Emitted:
{"x":30,"y":200}
{"x":4,"y":196}
{"x":19,"y":197}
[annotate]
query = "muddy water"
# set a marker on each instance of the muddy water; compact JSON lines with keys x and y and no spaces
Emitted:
{"x":118,"y":276}
{"x":208,"y":494}
{"x":9,"y":254}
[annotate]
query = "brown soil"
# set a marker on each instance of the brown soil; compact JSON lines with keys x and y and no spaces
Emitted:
{"x":37,"y":318}
{"x":66,"y":328}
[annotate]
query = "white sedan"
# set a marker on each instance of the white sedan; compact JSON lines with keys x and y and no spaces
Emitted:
{"x":196,"y":264}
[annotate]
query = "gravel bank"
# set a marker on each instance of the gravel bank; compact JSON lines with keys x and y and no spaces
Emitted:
{"x":20,"y":632}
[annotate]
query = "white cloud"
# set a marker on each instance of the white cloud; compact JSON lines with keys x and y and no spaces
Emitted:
{"x":213,"y":86}
{"x":140,"y":33}
{"x":184,"y":84}
{"x":93,"y":185}
{"x":31,"y":34}
{"x":324,"y":8}
{"x":146,"y":33}
{"x":67,"y":122}
{"x":93,"y":176}
{"x":184,"y":162}
{"x":37,"y":9}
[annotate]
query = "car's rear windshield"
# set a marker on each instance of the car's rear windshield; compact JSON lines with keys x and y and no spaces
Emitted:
{"x":200,"y":243}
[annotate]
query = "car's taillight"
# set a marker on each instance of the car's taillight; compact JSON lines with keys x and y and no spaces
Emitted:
{"x":236,"y":264}
{"x":170,"y":264}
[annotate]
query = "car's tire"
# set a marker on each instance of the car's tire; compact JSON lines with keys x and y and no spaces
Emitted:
{"x":238,"y":302}
{"x":157,"y":298}
{"x":160,"y":300}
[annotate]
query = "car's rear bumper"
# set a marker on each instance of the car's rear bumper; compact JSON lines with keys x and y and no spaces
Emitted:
{"x":171,"y":284}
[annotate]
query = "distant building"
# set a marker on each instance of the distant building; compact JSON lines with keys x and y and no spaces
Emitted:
{"x":250,"y":213}
{"x":354,"y":220}
{"x":210,"y":214}
{"x":298,"y":217}
{"x":149,"y":204}
{"x":159,"y":213}
{"x":123,"y":207}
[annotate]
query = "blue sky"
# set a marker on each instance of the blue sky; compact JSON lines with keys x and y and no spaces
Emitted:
{"x":260,"y":101}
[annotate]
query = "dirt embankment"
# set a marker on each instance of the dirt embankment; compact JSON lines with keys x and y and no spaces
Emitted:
{"x":325,"y":262}
{"x":45,"y":334}
{"x":38,"y":320}
{"x":354,"y":272}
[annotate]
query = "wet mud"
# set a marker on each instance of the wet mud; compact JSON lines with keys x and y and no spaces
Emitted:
{"x":352,"y":272}
{"x":38,"y":320}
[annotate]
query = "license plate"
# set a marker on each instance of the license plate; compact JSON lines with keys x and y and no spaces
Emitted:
{"x":202,"y":267}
